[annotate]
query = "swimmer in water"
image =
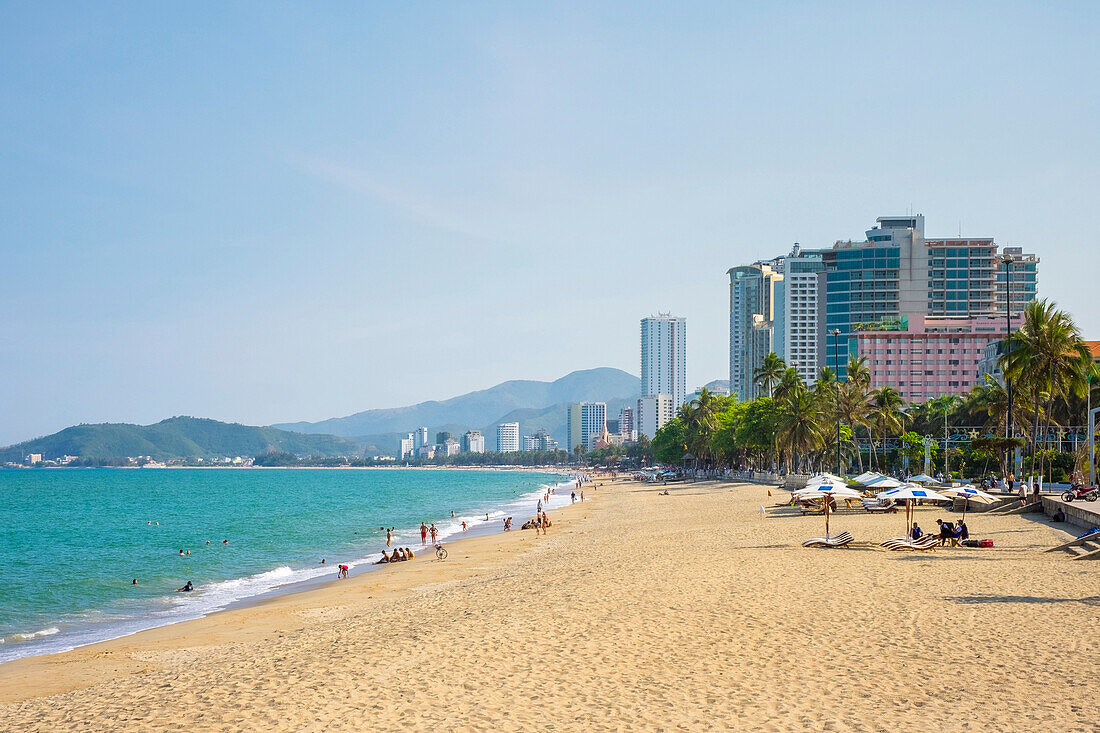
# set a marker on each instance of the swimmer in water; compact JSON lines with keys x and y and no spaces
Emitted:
{"x":181,"y":553}
{"x":187,"y":588}
{"x":135,"y":581}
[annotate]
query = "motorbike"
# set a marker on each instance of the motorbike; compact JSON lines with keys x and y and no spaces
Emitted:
{"x":1088,"y":493}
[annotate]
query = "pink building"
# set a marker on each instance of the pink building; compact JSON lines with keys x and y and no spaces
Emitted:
{"x":928,"y":356}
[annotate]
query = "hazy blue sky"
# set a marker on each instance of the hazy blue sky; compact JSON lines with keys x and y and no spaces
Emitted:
{"x":275,"y":212}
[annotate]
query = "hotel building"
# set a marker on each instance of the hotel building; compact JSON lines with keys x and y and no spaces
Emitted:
{"x":508,"y":437}
{"x":664,"y":364}
{"x":584,"y":421}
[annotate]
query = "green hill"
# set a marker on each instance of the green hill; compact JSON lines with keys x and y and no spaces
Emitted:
{"x":178,"y":437}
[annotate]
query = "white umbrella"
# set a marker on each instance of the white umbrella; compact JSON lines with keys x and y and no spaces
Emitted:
{"x":883,"y":482}
{"x":909,"y":492}
{"x":866,"y":476}
{"x":827,"y":477}
{"x":827,"y":491}
{"x":924,"y":478}
{"x":967,"y":492}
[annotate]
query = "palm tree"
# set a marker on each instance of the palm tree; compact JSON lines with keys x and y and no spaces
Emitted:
{"x":799,"y":430}
{"x":1046,"y":357}
{"x":770,"y":372}
{"x":790,"y":383}
{"x":853,"y":406}
{"x":887,"y":414}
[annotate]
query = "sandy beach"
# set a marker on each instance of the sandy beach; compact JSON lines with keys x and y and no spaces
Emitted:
{"x":638,"y":612}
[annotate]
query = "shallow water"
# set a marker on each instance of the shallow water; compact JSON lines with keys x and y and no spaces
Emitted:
{"x":73,"y":540}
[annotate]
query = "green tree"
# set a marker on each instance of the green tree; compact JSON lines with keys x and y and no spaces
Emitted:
{"x":770,"y":372}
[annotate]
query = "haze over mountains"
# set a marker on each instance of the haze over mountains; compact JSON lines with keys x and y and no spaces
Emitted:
{"x":532,"y":404}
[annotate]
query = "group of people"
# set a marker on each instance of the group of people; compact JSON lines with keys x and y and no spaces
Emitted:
{"x":947,"y":532}
{"x":399,"y":555}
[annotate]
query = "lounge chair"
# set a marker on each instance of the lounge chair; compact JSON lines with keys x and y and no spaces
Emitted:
{"x":926,"y":542}
{"x":878,"y":506}
{"x":813,"y":509}
{"x":840,"y":540}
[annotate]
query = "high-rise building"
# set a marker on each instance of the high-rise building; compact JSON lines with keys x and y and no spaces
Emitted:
{"x":793,"y":304}
{"x":584,"y":421}
{"x":405,"y":448}
{"x":420,"y":438}
{"x":756,"y":299}
{"x":626,"y":423}
{"x":473,"y":442}
{"x":653,"y":412}
{"x":664,"y":363}
{"x":530,"y":443}
{"x":897,"y":272}
{"x":451,"y":447}
{"x":441,"y":437}
{"x":508,"y":437}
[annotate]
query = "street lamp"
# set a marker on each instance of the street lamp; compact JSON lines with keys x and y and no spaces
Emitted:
{"x":1007,"y":259}
{"x":836,"y":381}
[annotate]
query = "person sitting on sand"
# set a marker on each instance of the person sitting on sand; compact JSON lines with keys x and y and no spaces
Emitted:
{"x":507,"y":524}
{"x":382,"y":560}
{"x":409,"y":553}
{"x":962,"y":532}
{"x":187,"y":588}
{"x":916,"y":532}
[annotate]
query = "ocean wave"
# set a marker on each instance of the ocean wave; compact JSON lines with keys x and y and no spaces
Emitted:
{"x":32,"y":635}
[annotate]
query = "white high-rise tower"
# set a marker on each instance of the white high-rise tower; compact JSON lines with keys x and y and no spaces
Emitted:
{"x":664,"y":363}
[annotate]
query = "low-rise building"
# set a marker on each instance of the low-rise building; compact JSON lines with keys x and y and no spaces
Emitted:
{"x":473,"y":442}
{"x":451,"y":447}
{"x":405,"y":447}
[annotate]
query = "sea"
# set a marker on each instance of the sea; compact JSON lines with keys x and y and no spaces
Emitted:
{"x":72,"y":541}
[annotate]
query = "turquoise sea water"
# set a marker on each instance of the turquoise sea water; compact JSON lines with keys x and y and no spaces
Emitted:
{"x":71,"y":541}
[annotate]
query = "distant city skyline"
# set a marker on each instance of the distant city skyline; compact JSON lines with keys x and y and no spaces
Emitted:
{"x":281,"y":214}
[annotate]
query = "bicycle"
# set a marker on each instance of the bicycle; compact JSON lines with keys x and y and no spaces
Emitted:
{"x":440,"y":552}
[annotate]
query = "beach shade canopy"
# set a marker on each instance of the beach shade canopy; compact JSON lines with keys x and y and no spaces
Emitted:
{"x":912,"y":491}
{"x":826,"y":478}
{"x":909,"y":492}
{"x":827,"y":491}
{"x":883,"y":482}
{"x":923,"y":478}
{"x":967,"y":492}
{"x":866,"y":476}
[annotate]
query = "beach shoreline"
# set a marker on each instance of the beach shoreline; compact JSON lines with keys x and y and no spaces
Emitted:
{"x":687,"y":611}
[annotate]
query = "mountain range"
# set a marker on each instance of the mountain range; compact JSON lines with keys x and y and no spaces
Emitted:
{"x":532,"y":404}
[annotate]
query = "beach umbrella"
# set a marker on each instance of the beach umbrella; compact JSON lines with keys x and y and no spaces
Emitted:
{"x":827,"y":491}
{"x":866,"y":476}
{"x":882,"y":482}
{"x":967,"y":492}
{"x":826,"y":478}
{"x":909,"y":492}
{"x":923,"y":478}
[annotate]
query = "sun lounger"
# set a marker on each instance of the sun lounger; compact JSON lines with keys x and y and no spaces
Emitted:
{"x":840,"y":540}
{"x":926,"y":542}
{"x":876,"y":506}
{"x":812,"y":509}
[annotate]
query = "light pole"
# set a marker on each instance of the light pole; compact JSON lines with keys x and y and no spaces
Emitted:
{"x":1007,"y":260}
{"x":836,"y":381}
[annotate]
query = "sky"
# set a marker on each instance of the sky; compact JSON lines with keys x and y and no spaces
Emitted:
{"x":268,"y":212}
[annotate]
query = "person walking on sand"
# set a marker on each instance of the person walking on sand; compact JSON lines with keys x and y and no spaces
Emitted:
{"x":573,"y":497}
{"x":423,"y":534}
{"x":435,"y":532}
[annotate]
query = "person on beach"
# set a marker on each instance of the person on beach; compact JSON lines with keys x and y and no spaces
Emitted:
{"x":947,"y":533}
{"x":409,"y":553}
{"x":343,"y":572}
{"x":573,"y":497}
{"x":187,"y":588}
{"x":401,"y":555}
{"x":962,"y":532}
{"x":423,"y":534}
{"x":463,"y":526}
{"x":916,"y":532}
{"x":382,"y":560}
{"x":389,"y":537}
{"x":486,"y":516}
{"x":435,"y":532}
{"x":507,"y":524}
{"x":538,"y":511}
{"x":542,"y":523}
